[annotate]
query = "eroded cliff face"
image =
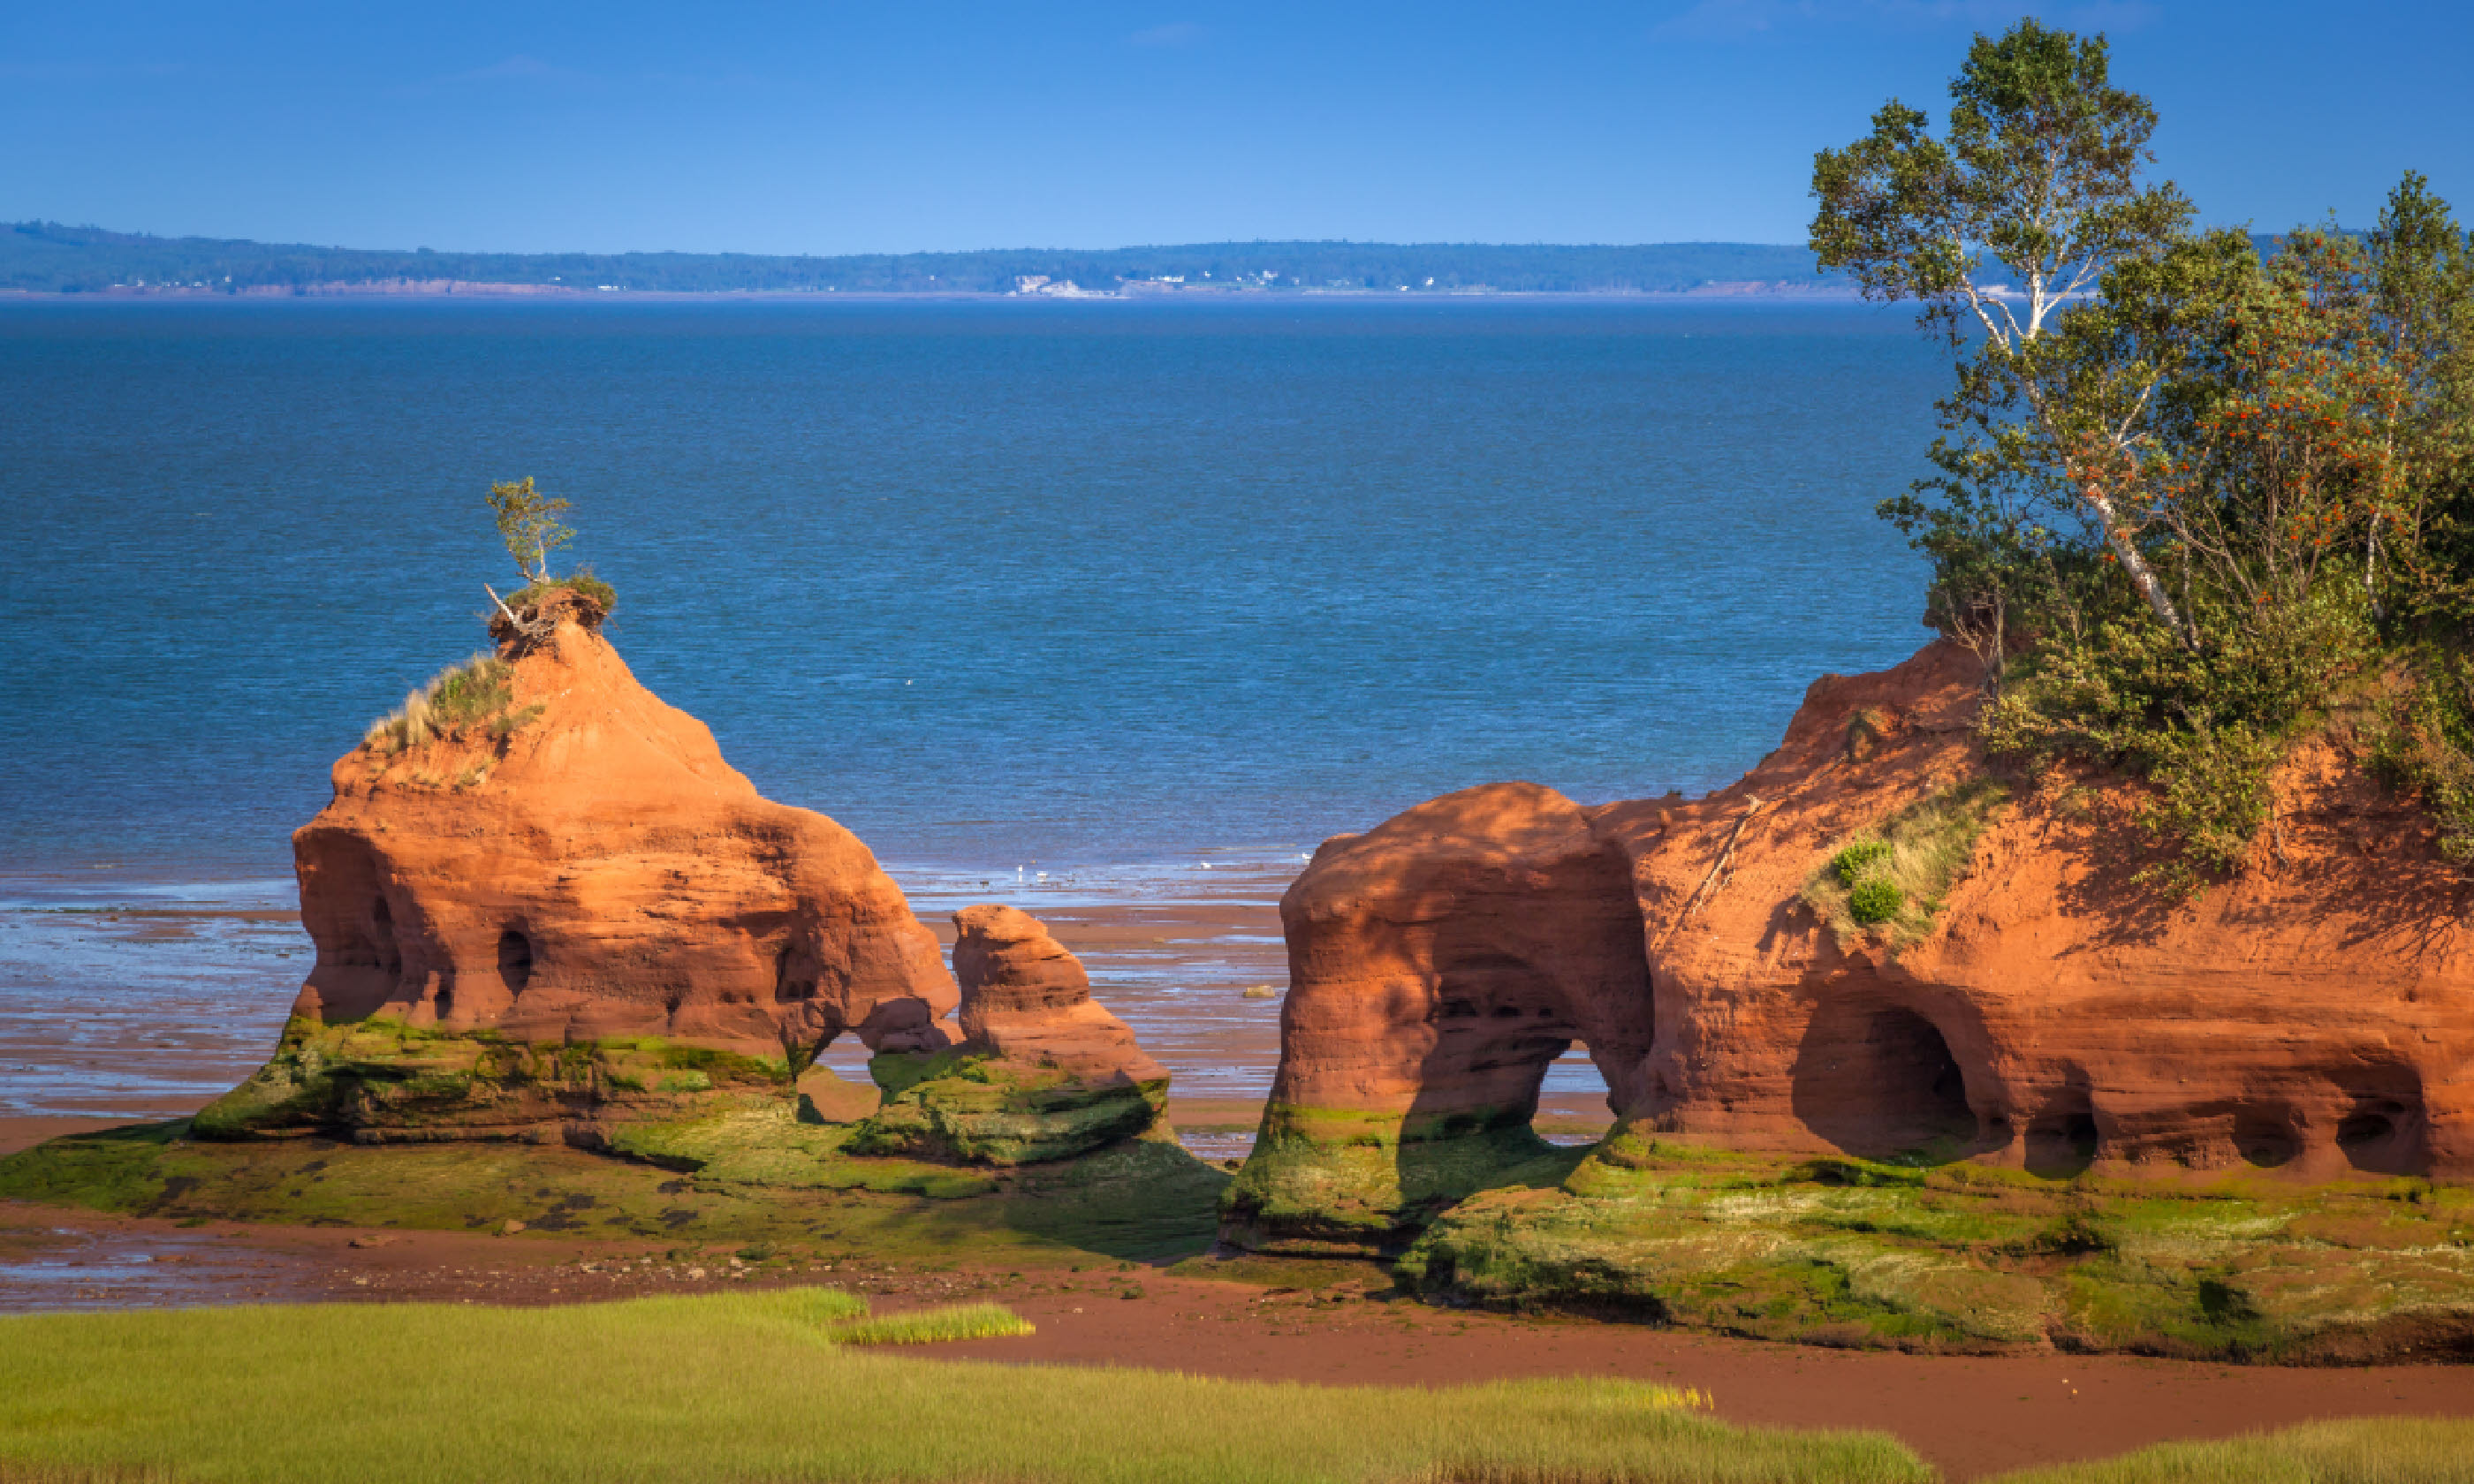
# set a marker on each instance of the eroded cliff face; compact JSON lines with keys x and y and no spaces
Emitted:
{"x":2314,"y":1016}
{"x":558,"y":903}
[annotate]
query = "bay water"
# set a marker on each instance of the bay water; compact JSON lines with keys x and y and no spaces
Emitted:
{"x":1112,"y":591}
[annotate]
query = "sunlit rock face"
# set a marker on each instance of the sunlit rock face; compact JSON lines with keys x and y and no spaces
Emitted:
{"x":549,"y":900}
{"x":2047,"y":1008}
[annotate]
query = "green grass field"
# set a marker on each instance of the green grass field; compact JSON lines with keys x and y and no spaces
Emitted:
{"x":765,"y":1386}
{"x":929,"y":1326}
{"x":748,"y":1386}
{"x":2383,"y":1451}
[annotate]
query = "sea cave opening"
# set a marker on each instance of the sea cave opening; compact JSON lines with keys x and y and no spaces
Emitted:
{"x":1881,"y":1082}
{"x":514,"y":960}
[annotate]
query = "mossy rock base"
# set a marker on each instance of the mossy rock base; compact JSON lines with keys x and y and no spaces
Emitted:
{"x":1966,"y":1258}
{"x":959,"y":1105}
{"x":736,"y":1177}
{"x":1336,"y":1183}
{"x":381,"y":1080}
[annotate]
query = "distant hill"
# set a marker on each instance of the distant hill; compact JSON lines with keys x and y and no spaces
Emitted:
{"x":47,"y":257}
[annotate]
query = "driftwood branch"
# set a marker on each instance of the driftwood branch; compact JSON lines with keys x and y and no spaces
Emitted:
{"x":1726,"y":853}
{"x":502,"y":605}
{"x":529,"y":633}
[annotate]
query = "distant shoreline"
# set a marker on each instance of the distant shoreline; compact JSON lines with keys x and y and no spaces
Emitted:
{"x":1749,"y":292}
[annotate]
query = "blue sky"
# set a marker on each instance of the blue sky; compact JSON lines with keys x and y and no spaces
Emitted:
{"x":834,"y":128}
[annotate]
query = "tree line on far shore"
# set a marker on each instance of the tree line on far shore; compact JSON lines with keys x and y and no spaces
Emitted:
{"x":49,"y":258}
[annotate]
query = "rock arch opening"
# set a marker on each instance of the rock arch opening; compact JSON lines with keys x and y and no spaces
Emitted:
{"x":514,"y":960}
{"x":1879,"y":1080}
{"x":1498,"y":1024}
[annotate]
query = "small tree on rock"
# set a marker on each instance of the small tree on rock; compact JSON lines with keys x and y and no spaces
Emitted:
{"x":528,"y":524}
{"x":2039,"y":174}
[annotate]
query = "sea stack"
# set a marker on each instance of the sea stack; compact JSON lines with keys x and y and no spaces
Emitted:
{"x":542,"y":901}
{"x":1043,"y":1072}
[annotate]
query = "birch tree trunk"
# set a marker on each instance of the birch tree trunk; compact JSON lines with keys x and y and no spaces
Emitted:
{"x":2141,"y":576}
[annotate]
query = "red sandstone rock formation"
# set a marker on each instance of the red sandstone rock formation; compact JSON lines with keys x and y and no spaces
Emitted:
{"x":1043,"y":1072}
{"x":1026,"y":999}
{"x":580,"y":863}
{"x":2314,"y":1014}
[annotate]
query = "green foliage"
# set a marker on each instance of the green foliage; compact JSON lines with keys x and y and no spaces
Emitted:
{"x":1875,"y":899}
{"x":2423,"y":742}
{"x":528,"y":524}
{"x":2186,"y":494}
{"x":2204,"y":723}
{"x":933,"y":1325}
{"x":1851,"y":863}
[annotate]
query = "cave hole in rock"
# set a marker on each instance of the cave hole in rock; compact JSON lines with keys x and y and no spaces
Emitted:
{"x":390,"y":954}
{"x":2382,"y":1136}
{"x":2062,"y":1139}
{"x":795,"y":974}
{"x":1881,"y":1082}
{"x":2265,"y":1138}
{"x":1572,"y":1099}
{"x":514,"y":960}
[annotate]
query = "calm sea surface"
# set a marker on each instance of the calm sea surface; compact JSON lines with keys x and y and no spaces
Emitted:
{"x":1094,"y":588}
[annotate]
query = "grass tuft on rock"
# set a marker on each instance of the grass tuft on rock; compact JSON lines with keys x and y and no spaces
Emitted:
{"x":479,"y":691}
{"x":1888,"y":884}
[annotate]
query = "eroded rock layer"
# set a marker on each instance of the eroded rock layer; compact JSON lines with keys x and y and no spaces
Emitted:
{"x":541,"y":899}
{"x":2037,"y":1002}
{"x":1043,"y":1071}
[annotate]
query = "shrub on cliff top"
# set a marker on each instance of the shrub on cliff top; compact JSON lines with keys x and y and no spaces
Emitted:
{"x":2423,"y":742}
{"x":1875,"y":899}
{"x":2187,"y":495}
{"x":586,"y":596}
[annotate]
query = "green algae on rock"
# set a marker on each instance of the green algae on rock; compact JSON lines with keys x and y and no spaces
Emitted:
{"x":1967,"y":1257}
{"x":759,"y":1176}
{"x":383,"y":1080}
{"x":1334,"y":1182}
{"x":960,"y":1105}
{"x":1043,"y":1072}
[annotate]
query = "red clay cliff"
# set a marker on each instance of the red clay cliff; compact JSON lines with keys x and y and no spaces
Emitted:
{"x":2314,"y":1014}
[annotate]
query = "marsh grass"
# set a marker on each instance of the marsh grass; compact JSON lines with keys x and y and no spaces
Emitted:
{"x":1889,"y":883}
{"x":2359,"y":1450}
{"x":744,"y":1386}
{"x":929,"y":1326}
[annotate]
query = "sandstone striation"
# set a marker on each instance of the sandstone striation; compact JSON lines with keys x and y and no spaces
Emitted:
{"x":543,"y":903}
{"x":1043,"y":1071}
{"x":2035,"y":1004}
